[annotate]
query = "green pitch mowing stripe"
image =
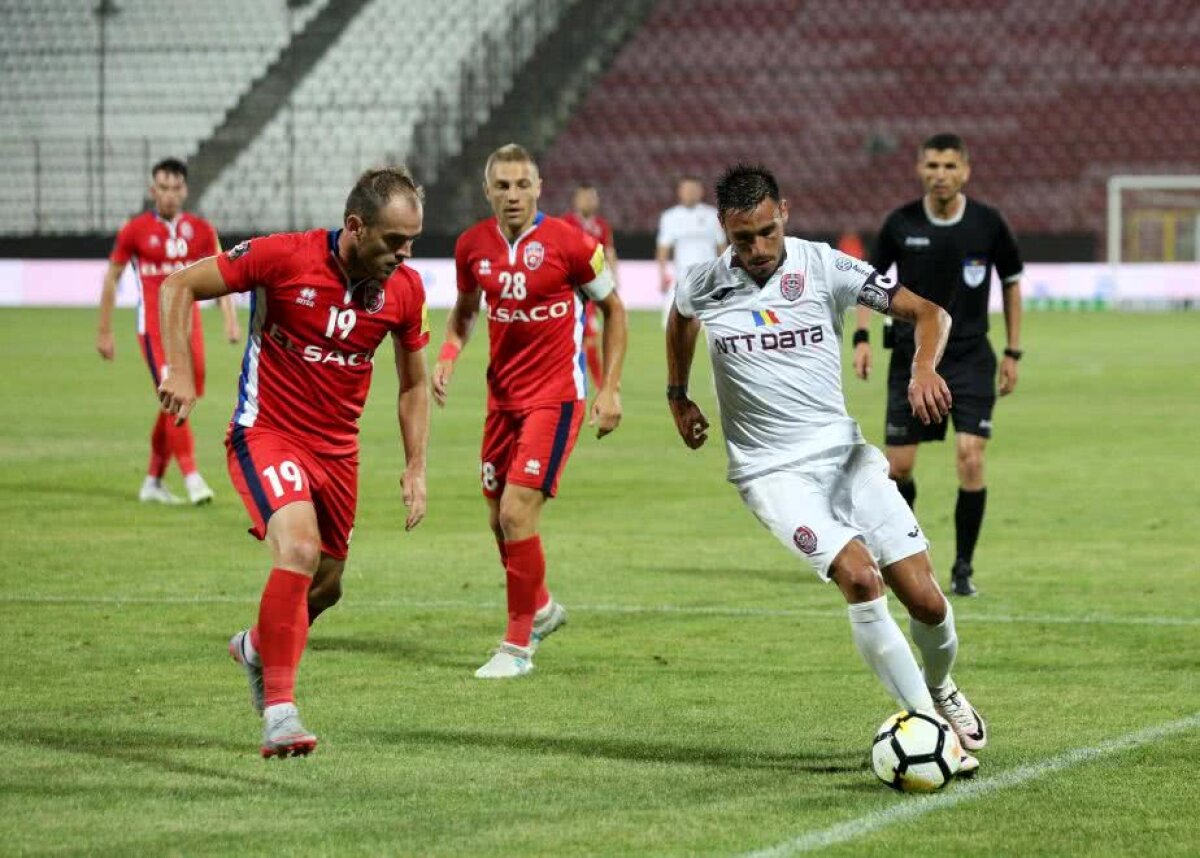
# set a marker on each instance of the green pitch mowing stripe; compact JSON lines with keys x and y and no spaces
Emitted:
{"x":911,"y":807}
{"x":686,"y":610}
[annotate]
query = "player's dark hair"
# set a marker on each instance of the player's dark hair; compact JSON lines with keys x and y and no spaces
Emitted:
{"x":690,"y":177}
{"x":743,"y":186}
{"x":941,"y":142}
{"x":375,"y":189}
{"x":585,"y":186}
{"x":170,"y":166}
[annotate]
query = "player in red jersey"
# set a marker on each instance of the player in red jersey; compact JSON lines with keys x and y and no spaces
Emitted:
{"x":584,"y":215}
{"x":322,"y":302}
{"x":535,"y":272}
{"x":159,"y":242}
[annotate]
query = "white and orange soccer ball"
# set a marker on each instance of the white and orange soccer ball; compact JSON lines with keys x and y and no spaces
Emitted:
{"x":916,"y":752}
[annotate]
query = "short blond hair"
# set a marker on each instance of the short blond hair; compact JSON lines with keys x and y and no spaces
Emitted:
{"x":512,"y":153}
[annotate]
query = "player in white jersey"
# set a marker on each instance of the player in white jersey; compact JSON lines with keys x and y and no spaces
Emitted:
{"x":689,"y":234}
{"x":772,"y":307}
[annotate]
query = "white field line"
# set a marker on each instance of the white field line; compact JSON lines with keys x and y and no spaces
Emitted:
{"x":912,"y":807}
{"x":683,"y":610}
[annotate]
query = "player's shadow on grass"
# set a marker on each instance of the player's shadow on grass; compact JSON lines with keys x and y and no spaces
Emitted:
{"x":154,"y":749}
{"x":412,"y":650}
{"x":634,"y":750}
{"x":781,"y":575}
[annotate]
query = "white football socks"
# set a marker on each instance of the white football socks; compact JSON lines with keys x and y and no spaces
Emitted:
{"x":884,"y":648}
{"x":938,"y":646}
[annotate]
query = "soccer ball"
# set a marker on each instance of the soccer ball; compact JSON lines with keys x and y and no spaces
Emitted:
{"x":916,"y":752}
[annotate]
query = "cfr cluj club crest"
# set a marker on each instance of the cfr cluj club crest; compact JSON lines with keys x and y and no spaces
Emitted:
{"x":791,"y":285}
{"x":534,"y":254}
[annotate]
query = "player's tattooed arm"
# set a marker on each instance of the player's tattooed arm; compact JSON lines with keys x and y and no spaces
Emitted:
{"x":927,"y":391}
{"x":690,"y":421}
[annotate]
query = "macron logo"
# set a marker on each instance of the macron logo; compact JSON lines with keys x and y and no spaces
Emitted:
{"x":307,"y":297}
{"x":533,"y":467}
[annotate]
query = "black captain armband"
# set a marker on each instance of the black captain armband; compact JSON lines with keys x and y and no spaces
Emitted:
{"x":878,"y":293}
{"x":862,"y":335}
{"x":676,"y":392}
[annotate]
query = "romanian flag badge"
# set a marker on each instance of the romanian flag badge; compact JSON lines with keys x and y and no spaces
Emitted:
{"x":764,"y":318}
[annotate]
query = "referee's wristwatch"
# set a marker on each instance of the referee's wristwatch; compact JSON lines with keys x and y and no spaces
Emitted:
{"x":1015,"y":354}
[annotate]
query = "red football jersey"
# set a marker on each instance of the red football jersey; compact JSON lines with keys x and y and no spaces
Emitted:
{"x":534,"y":307}
{"x":595,"y":226}
{"x":157,"y":248}
{"x":308,"y":361}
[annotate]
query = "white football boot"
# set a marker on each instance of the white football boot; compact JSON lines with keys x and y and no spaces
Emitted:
{"x":253,"y":667}
{"x":953,"y":705}
{"x":283,"y":734}
{"x":198,"y":491}
{"x":156,"y":492}
{"x":551,"y":618}
{"x":967,"y":767}
{"x":509,"y":661}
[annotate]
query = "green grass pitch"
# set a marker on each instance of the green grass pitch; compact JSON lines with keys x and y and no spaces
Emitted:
{"x":705,"y":698}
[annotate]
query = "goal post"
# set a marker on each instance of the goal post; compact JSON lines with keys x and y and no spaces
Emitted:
{"x":1153,"y":218}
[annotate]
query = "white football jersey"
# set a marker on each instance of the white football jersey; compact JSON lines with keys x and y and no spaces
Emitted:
{"x":776,"y":353}
{"x":693,"y":233}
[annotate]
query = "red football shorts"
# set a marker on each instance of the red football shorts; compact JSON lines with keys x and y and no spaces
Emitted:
{"x":529,"y":447}
{"x":591,"y":320}
{"x":156,"y":356}
{"x":270,"y":471}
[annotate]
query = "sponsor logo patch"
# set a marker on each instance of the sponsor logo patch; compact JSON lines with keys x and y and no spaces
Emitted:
{"x":805,"y":539}
{"x":916,"y":241}
{"x":307,"y":296}
{"x":485,"y":267}
{"x":185,"y":229}
{"x":533,"y":467}
{"x":535,"y":253}
{"x":791,"y":285}
{"x":843,"y":263}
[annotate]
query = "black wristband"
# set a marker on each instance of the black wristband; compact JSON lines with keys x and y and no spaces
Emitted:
{"x":862,"y":335}
{"x":677,"y":392}
{"x":1015,"y":354}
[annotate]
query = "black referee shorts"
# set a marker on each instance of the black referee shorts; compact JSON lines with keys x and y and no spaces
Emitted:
{"x":969,"y":367}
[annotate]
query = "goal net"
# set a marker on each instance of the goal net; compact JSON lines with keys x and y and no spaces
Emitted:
{"x":1154,"y":219}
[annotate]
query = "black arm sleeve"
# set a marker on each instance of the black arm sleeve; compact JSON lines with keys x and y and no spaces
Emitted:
{"x":885,"y":253}
{"x":1006,"y":255}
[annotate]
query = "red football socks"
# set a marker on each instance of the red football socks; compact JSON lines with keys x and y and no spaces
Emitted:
{"x":526,"y":573}
{"x":160,"y":449}
{"x":282,"y":632}
{"x":181,"y":444}
{"x":595,"y":365}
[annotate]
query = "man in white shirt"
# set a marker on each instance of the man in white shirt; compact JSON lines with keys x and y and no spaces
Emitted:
{"x":772,"y":309}
{"x":688,"y":234}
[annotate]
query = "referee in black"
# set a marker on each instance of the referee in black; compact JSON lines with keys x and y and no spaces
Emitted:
{"x":945,"y":247}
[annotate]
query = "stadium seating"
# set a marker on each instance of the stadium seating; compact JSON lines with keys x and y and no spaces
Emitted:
{"x":835,"y":96}
{"x":357,"y":108}
{"x":173,"y":68}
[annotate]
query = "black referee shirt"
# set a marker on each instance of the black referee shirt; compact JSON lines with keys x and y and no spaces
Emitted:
{"x":949,"y":263}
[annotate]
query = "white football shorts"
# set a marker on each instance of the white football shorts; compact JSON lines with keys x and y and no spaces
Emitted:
{"x":815,"y":510}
